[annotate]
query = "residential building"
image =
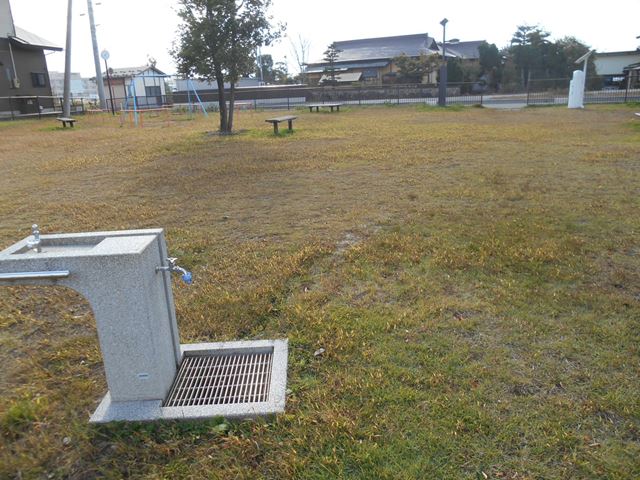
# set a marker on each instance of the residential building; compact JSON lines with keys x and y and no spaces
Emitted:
{"x":146,"y":83}
{"x":23,"y":67}
{"x":80,"y":87}
{"x":463,"y":50}
{"x":371,"y":60}
{"x":185,"y":85}
{"x":618,"y":68}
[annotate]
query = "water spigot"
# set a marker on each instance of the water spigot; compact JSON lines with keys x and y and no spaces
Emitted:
{"x":187,"y":277}
{"x":35,"y":243}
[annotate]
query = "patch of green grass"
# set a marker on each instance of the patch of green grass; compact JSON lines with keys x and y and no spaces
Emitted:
{"x":473,"y":280}
{"x":20,"y":415}
{"x":545,"y":105}
{"x":436,"y":108}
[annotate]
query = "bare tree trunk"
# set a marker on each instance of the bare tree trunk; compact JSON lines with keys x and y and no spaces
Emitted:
{"x":301,"y":52}
{"x":222,"y":103}
{"x":232,"y":100}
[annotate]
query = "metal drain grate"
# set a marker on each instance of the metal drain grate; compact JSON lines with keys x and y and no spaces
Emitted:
{"x":222,"y":379}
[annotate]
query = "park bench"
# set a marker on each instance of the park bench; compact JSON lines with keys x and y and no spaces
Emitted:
{"x":317,"y":106}
{"x":277,"y":120}
{"x":65,"y":120}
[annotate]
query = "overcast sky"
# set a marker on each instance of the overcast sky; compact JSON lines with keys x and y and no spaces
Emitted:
{"x":133,"y":30}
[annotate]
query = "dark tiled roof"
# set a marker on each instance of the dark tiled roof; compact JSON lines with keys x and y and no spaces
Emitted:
{"x":464,"y":50}
{"x":383,"y":47}
{"x":29,"y":39}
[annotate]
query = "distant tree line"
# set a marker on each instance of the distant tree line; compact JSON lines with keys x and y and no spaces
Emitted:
{"x":529,"y":56}
{"x":532,"y":56}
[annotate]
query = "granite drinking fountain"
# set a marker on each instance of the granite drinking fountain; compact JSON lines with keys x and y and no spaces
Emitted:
{"x":126,"y":278}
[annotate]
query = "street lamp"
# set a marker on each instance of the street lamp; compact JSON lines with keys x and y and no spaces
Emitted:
{"x":442,"y":90}
{"x":66,"y":102}
{"x":105,"y":57}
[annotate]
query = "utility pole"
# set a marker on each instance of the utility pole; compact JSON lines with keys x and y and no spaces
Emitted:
{"x":260,"y":67}
{"x":66,"y":107}
{"x":442,"y":90}
{"x":96,"y":56}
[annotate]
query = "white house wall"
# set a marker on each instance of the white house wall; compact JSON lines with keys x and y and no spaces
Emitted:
{"x":614,"y":64}
{"x":148,"y":79}
{"x":183,"y":85}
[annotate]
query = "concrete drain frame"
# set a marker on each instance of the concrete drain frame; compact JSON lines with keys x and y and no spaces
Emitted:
{"x":127,"y":278}
{"x":227,"y":385}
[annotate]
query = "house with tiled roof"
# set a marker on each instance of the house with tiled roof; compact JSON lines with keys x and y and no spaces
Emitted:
{"x":23,"y":67}
{"x":619,"y":69}
{"x":146,"y":83}
{"x":463,"y":50}
{"x":371,"y":60}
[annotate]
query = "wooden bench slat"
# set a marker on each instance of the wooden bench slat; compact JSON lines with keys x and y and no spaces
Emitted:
{"x":281,"y":119}
{"x":277,"y":120}
{"x":317,"y":106}
{"x":65,"y":120}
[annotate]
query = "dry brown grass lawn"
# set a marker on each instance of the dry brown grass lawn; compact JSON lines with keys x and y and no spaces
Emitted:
{"x":472,"y":275}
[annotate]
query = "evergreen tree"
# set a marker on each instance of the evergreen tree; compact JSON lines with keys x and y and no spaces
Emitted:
{"x":529,"y":46}
{"x":331,"y":54}
{"x":217,"y":40}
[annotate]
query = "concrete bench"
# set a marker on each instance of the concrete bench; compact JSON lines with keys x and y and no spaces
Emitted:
{"x":277,"y":120}
{"x":317,"y":106}
{"x":65,"y":120}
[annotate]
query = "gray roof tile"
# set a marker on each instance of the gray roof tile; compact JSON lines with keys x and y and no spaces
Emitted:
{"x":383,"y":47}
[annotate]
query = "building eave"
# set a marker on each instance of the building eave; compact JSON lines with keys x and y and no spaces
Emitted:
{"x":26,"y":39}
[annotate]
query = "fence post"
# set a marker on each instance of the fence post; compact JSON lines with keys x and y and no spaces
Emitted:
{"x":528,"y":89}
{"x":481,"y":98}
{"x":398,"y":94}
{"x":288,"y":103}
{"x":13,"y":117}
{"x":38,"y":107}
{"x":626,"y":91}
{"x":255,"y":103}
{"x":360,"y":95}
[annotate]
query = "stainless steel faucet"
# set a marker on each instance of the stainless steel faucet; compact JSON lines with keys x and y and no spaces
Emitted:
{"x":174,"y":268}
{"x":35,"y":244}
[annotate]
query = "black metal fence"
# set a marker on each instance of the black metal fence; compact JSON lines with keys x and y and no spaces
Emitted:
{"x":12,"y":108}
{"x":537,"y":93}
{"x":288,"y":97}
{"x":556,"y":92}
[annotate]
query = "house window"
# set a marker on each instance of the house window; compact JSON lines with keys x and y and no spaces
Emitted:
{"x":154,"y":91}
{"x":38,"y":80}
{"x":370,"y":73}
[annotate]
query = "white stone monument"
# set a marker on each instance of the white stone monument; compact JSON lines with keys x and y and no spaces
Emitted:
{"x":576,"y":90}
{"x":578,"y":84}
{"x":126,"y":277}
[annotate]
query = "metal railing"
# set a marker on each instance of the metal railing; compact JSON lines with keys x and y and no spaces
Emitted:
{"x":556,"y":92}
{"x":12,"y":108}
{"x":536,"y":93}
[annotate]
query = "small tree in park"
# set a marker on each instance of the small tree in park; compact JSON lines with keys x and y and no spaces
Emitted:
{"x":415,"y":69}
{"x":331,"y":54}
{"x":217,"y":41}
